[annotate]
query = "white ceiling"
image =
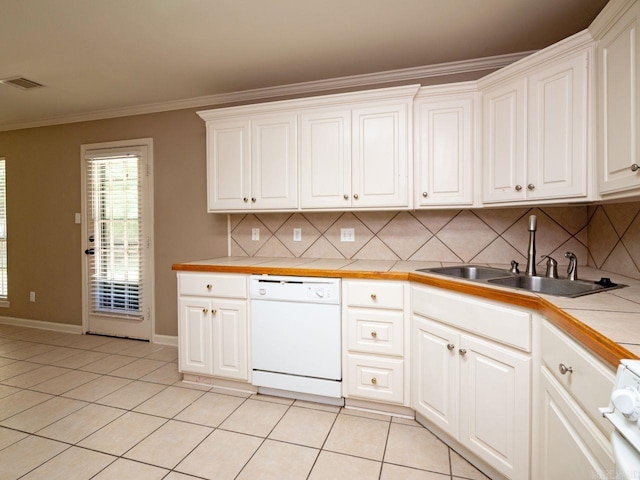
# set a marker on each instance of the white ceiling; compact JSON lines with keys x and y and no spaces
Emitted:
{"x":109,"y":55}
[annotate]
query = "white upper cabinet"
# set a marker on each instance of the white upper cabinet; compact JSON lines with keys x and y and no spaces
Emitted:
{"x":274,"y":162}
{"x":444,"y":139}
{"x":252,"y":163}
{"x":504,"y":130}
{"x":325,"y":159}
{"x":380,"y":160}
{"x":228,"y":164}
{"x":353,"y":150}
{"x":619,"y":104}
{"x":536,"y":126}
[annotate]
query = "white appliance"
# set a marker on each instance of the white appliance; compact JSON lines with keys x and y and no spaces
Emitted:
{"x":624,"y":414}
{"x":296,"y":337}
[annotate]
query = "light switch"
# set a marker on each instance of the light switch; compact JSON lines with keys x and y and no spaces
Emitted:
{"x":78,"y":218}
{"x":255,"y":234}
{"x":347,"y":235}
{"x":297,"y":234}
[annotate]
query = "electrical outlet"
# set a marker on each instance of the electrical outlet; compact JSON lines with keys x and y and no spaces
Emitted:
{"x":297,"y":234}
{"x":347,"y":235}
{"x":255,"y":234}
{"x":32,"y":296}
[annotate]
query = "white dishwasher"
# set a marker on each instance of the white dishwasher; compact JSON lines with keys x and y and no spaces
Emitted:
{"x":296,"y":337}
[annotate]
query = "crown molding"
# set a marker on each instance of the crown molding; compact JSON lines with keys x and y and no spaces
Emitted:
{"x":414,"y":74}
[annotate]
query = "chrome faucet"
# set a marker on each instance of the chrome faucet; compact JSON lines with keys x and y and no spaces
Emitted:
{"x":572,"y":269}
{"x":531,"y":253}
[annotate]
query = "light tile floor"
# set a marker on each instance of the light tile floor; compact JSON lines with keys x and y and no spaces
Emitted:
{"x":90,"y":407}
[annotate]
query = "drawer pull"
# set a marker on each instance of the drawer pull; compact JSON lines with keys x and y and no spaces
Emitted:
{"x":204,"y":310}
{"x":518,"y":188}
{"x":564,"y":369}
{"x":531,"y":186}
{"x":374,"y":381}
{"x":462,"y":351}
{"x":209,"y":286}
{"x":213,"y":312}
{"x":450,"y":346}
{"x":374,"y":296}
{"x":245,"y":199}
{"x":374,"y":334}
{"x":345,"y":196}
{"x":635,"y":167}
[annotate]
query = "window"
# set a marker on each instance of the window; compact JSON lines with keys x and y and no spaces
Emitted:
{"x":3,"y":231}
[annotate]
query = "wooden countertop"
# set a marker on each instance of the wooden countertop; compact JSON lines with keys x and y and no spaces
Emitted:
{"x":607,"y":323}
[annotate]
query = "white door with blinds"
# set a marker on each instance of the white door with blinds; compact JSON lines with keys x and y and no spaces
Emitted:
{"x":117,"y":240}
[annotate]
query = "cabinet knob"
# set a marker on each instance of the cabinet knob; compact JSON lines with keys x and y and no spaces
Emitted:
{"x":374,"y":296}
{"x":374,"y":380}
{"x":635,"y":167}
{"x":355,"y":195}
{"x":245,"y":199}
{"x":204,"y":310}
{"x":213,"y":312}
{"x":518,"y":188}
{"x":253,"y":199}
{"x":462,"y":351}
{"x":345,"y":196}
{"x":425,"y":194}
{"x":374,"y":334}
{"x":450,"y":346}
{"x":209,"y":286}
{"x":564,"y":369}
{"x":531,"y":186}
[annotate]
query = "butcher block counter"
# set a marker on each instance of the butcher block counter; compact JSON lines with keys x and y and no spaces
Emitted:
{"x":607,"y":323}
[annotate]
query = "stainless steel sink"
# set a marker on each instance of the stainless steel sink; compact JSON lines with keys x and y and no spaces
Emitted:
{"x":469,"y":272}
{"x":504,"y":278}
{"x":550,"y":286}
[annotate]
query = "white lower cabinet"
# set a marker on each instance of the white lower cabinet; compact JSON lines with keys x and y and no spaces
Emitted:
{"x":475,"y":390}
{"x":212,"y":331}
{"x":573,"y":437}
{"x":373,"y":317}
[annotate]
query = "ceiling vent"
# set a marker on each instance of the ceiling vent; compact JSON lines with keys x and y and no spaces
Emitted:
{"x":21,"y":83}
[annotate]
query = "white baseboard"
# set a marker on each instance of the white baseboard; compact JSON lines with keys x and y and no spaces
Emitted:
{"x":53,"y":326}
{"x":165,"y":340}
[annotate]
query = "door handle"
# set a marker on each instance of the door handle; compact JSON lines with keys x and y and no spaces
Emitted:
{"x":90,"y":251}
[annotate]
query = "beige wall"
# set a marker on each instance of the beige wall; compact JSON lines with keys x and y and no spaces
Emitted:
{"x":43,"y":194}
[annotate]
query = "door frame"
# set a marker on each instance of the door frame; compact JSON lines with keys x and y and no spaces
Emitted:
{"x":150,"y":269}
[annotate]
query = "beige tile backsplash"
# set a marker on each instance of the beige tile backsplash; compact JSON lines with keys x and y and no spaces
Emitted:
{"x":604,"y":236}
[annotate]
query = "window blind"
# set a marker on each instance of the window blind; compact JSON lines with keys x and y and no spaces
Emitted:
{"x":3,"y":230}
{"x":115,"y":233}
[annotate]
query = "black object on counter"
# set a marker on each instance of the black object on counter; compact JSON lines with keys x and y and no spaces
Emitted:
{"x":606,"y":282}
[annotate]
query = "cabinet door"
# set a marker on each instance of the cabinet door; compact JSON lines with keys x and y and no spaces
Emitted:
{"x":230,"y":339}
{"x":619,"y":105}
{"x":503,"y":137}
{"x":274,"y":162}
{"x":495,"y":405}
{"x":380,"y":156}
{"x":444,"y":151}
{"x":558,"y":127}
{"x":325,"y":159}
{"x":228,"y":165}
{"x":195,"y":341}
{"x":570,"y":446}
{"x":435,"y":373}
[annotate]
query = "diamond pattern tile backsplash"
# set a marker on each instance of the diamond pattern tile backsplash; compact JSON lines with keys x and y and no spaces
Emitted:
{"x":603,"y":236}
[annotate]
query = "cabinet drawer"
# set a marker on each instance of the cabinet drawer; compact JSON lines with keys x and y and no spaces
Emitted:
{"x":374,"y":294}
{"x":491,"y":320}
{"x":590,"y":383}
{"x":375,"y":378}
{"x":204,"y":284}
{"x":378,"y":331}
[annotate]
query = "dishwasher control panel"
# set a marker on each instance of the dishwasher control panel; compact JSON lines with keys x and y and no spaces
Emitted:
{"x":295,"y":289}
